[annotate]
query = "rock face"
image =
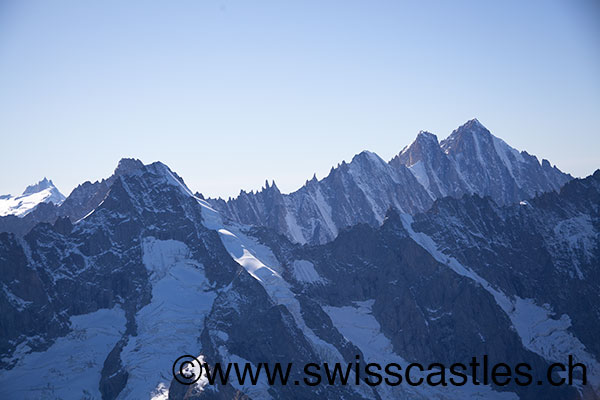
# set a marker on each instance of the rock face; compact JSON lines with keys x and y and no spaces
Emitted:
{"x":105,"y":261}
{"x":492,"y":168}
{"x":100,"y":306}
{"x":434,"y":170}
{"x":82,"y":200}
{"x":516,"y":282}
{"x":544,"y":249}
{"x":359,"y":191}
{"x":471,"y":160}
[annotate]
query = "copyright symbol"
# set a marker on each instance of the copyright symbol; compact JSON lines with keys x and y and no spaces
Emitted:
{"x":187,"y":370}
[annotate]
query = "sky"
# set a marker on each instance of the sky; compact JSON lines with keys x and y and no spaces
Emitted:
{"x":230,"y":93}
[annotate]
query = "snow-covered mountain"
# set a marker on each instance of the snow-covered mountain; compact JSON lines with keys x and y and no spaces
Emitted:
{"x":471,"y":160}
{"x":42,"y":192}
{"x":359,"y":191}
{"x":82,"y":200}
{"x":131,"y":272}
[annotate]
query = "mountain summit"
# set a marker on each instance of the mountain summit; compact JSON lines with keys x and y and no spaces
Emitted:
{"x":470,"y":161}
{"x":42,"y":192}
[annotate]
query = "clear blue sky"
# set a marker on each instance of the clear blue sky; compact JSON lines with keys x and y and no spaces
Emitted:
{"x":230,"y":93}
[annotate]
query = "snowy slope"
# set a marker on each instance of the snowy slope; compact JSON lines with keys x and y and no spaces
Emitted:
{"x":358,"y":325}
{"x":170,"y":324}
{"x":71,"y":367}
{"x":42,"y":192}
{"x":537,"y":326}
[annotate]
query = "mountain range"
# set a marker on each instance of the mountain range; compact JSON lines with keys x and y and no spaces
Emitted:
{"x":450,"y":250}
{"x":471,"y":160}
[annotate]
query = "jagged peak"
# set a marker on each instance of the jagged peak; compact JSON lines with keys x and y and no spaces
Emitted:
{"x":474,"y":122}
{"x":423,"y":138}
{"x":312,"y":180}
{"x":127,"y":165}
{"x":470,"y":130}
{"x":133,"y":167}
{"x":473,"y":126}
{"x":269,"y":187}
{"x":38,"y":187}
{"x":367,"y":155}
{"x":34,"y":196}
{"x":426,"y":135}
{"x":425,"y":143}
{"x":366,"y":158}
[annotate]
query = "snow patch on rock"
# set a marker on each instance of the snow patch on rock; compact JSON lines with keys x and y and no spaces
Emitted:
{"x":69,"y":368}
{"x":358,"y":325}
{"x":171,"y":324}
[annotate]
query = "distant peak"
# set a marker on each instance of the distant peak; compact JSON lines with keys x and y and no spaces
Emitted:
{"x":38,"y":187}
{"x":312,"y":180}
{"x":367,"y":155}
{"x":127,"y":165}
{"x":270,"y":187}
{"x":473,"y":125}
{"x":471,"y":128}
{"x":424,"y":142}
{"x":426,"y":134}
